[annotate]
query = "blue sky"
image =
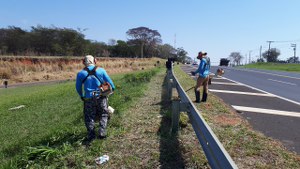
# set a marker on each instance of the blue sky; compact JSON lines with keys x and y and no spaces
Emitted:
{"x":216,"y":26}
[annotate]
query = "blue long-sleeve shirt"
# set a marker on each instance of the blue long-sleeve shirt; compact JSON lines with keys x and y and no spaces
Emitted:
{"x":203,"y":68}
{"x":91,"y":84}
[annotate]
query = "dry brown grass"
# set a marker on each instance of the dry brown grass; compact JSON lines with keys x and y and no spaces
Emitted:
{"x":30,"y":69}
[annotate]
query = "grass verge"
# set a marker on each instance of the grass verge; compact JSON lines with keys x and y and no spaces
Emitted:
{"x":248,"y":148}
{"x":49,"y":130}
{"x":290,"y":67}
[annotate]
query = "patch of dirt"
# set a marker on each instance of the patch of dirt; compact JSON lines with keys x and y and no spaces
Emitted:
{"x":225,"y":120}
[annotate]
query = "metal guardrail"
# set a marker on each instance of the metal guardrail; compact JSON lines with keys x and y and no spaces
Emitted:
{"x":217,"y":156}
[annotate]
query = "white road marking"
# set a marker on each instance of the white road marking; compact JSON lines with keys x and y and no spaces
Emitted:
{"x":245,"y":93}
{"x":267,"y":111}
{"x":283,"y":98}
{"x":293,"y":84}
{"x":292,"y":101}
{"x":218,"y":78}
{"x":224,"y":83}
{"x":269,"y":74}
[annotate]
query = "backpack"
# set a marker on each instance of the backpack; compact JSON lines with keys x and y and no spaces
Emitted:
{"x":207,"y":64}
{"x":90,"y":72}
{"x":105,"y":87}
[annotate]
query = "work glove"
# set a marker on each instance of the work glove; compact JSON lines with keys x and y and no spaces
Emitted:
{"x":193,"y":73}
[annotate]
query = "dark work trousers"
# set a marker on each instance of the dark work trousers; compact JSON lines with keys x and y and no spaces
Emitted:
{"x":92,"y":108}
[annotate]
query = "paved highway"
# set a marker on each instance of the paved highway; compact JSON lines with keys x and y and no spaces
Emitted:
{"x":269,"y":100}
{"x":283,"y":84}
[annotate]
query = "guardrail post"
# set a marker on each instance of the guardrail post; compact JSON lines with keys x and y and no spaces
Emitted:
{"x":175,"y":115}
{"x":214,"y":151}
{"x":170,"y":85}
{"x":170,"y":89}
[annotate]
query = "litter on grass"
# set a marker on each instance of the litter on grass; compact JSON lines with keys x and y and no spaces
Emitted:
{"x":102,"y":159}
{"x":18,"y":107}
{"x":110,"y":110}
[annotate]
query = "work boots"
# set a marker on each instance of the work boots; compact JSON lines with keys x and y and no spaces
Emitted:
{"x":197,"y":94}
{"x":204,"y":97}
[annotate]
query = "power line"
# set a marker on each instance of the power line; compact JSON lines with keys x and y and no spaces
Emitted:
{"x":286,"y":41}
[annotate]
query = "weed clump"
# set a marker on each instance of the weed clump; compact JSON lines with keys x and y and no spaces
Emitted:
{"x":140,"y":77}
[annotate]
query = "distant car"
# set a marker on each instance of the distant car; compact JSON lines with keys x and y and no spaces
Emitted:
{"x":195,"y":63}
{"x":224,"y":62}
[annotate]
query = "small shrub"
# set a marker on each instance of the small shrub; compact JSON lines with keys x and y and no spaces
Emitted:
{"x":41,"y":153}
{"x":140,"y":77}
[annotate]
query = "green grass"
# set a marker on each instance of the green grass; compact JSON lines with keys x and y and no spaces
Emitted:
{"x":291,"y":67}
{"x":50,"y":128}
{"x":49,"y":131}
{"x":248,"y":148}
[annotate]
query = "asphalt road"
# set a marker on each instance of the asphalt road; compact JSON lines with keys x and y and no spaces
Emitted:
{"x":268,"y":100}
{"x":283,"y":84}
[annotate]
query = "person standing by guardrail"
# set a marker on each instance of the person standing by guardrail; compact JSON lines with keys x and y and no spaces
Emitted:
{"x":203,"y":78}
{"x":91,"y":77}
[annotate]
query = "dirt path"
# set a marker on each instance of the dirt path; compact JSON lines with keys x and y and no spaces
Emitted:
{"x":34,"y":83}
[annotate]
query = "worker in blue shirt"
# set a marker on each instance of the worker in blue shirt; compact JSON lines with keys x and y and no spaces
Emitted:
{"x":90,"y":78}
{"x":203,"y":78}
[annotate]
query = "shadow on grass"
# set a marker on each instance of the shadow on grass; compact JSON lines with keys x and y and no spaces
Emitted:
{"x":170,"y":150}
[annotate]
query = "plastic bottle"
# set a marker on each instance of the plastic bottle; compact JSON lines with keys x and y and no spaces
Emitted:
{"x":102,"y":159}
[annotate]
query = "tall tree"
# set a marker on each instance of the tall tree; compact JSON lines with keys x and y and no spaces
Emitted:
{"x":272,"y":55}
{"x":235,"y":57}
{"x":166,"y":51}
{"x":122,"y":49}
{"x":13,"y":40}
{"x":98,"y":49}
{"x":144,"y":37}
{"x":181,"y":55}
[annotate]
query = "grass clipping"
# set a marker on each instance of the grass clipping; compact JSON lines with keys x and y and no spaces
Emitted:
{"x":248,"y":148}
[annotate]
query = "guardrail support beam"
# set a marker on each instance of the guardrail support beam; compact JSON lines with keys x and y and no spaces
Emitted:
{"x":175,"y":115}
{"x":170,"y":89}
{"x":184,"y":107}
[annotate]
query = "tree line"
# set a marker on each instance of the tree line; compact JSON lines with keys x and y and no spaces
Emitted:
{"x":267,"y":56}
{"x":53,"y":41}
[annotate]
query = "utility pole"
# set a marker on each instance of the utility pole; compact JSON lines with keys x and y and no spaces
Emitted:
{"x":293,"y":45}
{"x":260,"y":52}
{"x":269,"y":47}
{"x":250,"y":57}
